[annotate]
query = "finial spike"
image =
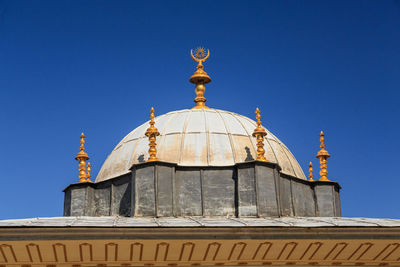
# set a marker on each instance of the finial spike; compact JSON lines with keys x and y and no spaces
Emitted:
{"x":151,"y":133}
{"x":322,"y":140}
{"x":82,"y":157}
{"x":152,"y":116}
{"x":82,"y":147}
{"x":259,"y":133}
{"x":310,"y":170}
{"x":323,"y":155}
{"x":258,"y":117}
{"x":200,"y":77}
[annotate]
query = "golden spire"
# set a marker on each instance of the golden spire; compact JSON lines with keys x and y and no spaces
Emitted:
{"x":259,"y":133}
{"x":310,"y":170}
{"x":89,"y":169}
{"x":200,"y":77}
{"x":82,"y":157}
{"x":151,"y":133}
{"x":323,"y":155}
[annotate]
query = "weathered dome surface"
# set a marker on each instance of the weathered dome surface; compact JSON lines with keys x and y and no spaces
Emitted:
{"x":198,"y":137}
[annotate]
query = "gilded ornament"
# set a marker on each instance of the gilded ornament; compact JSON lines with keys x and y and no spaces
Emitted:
{"x":259,"y":133}
{"x":323,"y":155}
{"x":151,"y":133}
{"x":89,"y":169}
{"x":310,"y":170}
{"x":200,"y":77}
{"x":200,"y":54}
{"x":82,"y":157}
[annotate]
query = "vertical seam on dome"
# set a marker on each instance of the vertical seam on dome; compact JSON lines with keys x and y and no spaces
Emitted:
{"x":269,"y":143}
{"x":163,"y":136}
{"x":301,"y":169}
{"x":272,"y":148}
{"x":248,"y":134}
{"x":207,"y":137}
{"x":290,"y":162}
{"x":233,"y":149}
{"x":275,"y":138}
{"x":183,"y":135}
{"x":133,"y":152}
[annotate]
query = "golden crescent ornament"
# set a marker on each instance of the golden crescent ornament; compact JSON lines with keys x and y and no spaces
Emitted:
{"x":200,"y":77}
{"x":200,"y":54}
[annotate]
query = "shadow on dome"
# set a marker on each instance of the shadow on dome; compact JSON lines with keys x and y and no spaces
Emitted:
{"x":249,"y":157}
{"x":141,"y":158}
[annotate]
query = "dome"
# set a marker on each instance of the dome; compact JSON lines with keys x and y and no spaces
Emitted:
{"x":198,"y":137}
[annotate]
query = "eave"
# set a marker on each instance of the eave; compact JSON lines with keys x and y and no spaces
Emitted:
{"x":113,"y":241}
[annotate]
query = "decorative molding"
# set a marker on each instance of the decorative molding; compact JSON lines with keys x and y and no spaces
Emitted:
{"x":103,"y":253}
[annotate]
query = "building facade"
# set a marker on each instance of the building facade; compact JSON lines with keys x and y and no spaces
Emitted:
{"x":201,"y":187}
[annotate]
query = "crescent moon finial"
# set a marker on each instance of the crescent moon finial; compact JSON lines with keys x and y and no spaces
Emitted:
{"x":200,"y":54}
{"x":200,"y":77}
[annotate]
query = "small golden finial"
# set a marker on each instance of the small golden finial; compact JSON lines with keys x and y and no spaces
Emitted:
{"x":200,"y":77}
{"x":89,"y":169}
{"x":259,"y":133}
{"x":310,"y":170}
{"x":151,"y":133}
{"x":82,"y":157}
{"x":323,"y":155}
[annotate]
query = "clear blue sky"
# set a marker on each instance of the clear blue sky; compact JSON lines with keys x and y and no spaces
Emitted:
{"x":99,"y":66}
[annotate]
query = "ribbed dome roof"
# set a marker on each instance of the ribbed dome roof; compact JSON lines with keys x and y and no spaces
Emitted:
{"x":198,"y":137}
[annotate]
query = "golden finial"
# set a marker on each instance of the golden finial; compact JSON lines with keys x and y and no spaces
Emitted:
{"x":200,"y":77}
{"x":259,"y":133}
{"x":82,"y":157}
{"x":310,"y":170}
{"x":323,"y":155}
{"x":151,"y":133}
{"x":89,"y":169}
